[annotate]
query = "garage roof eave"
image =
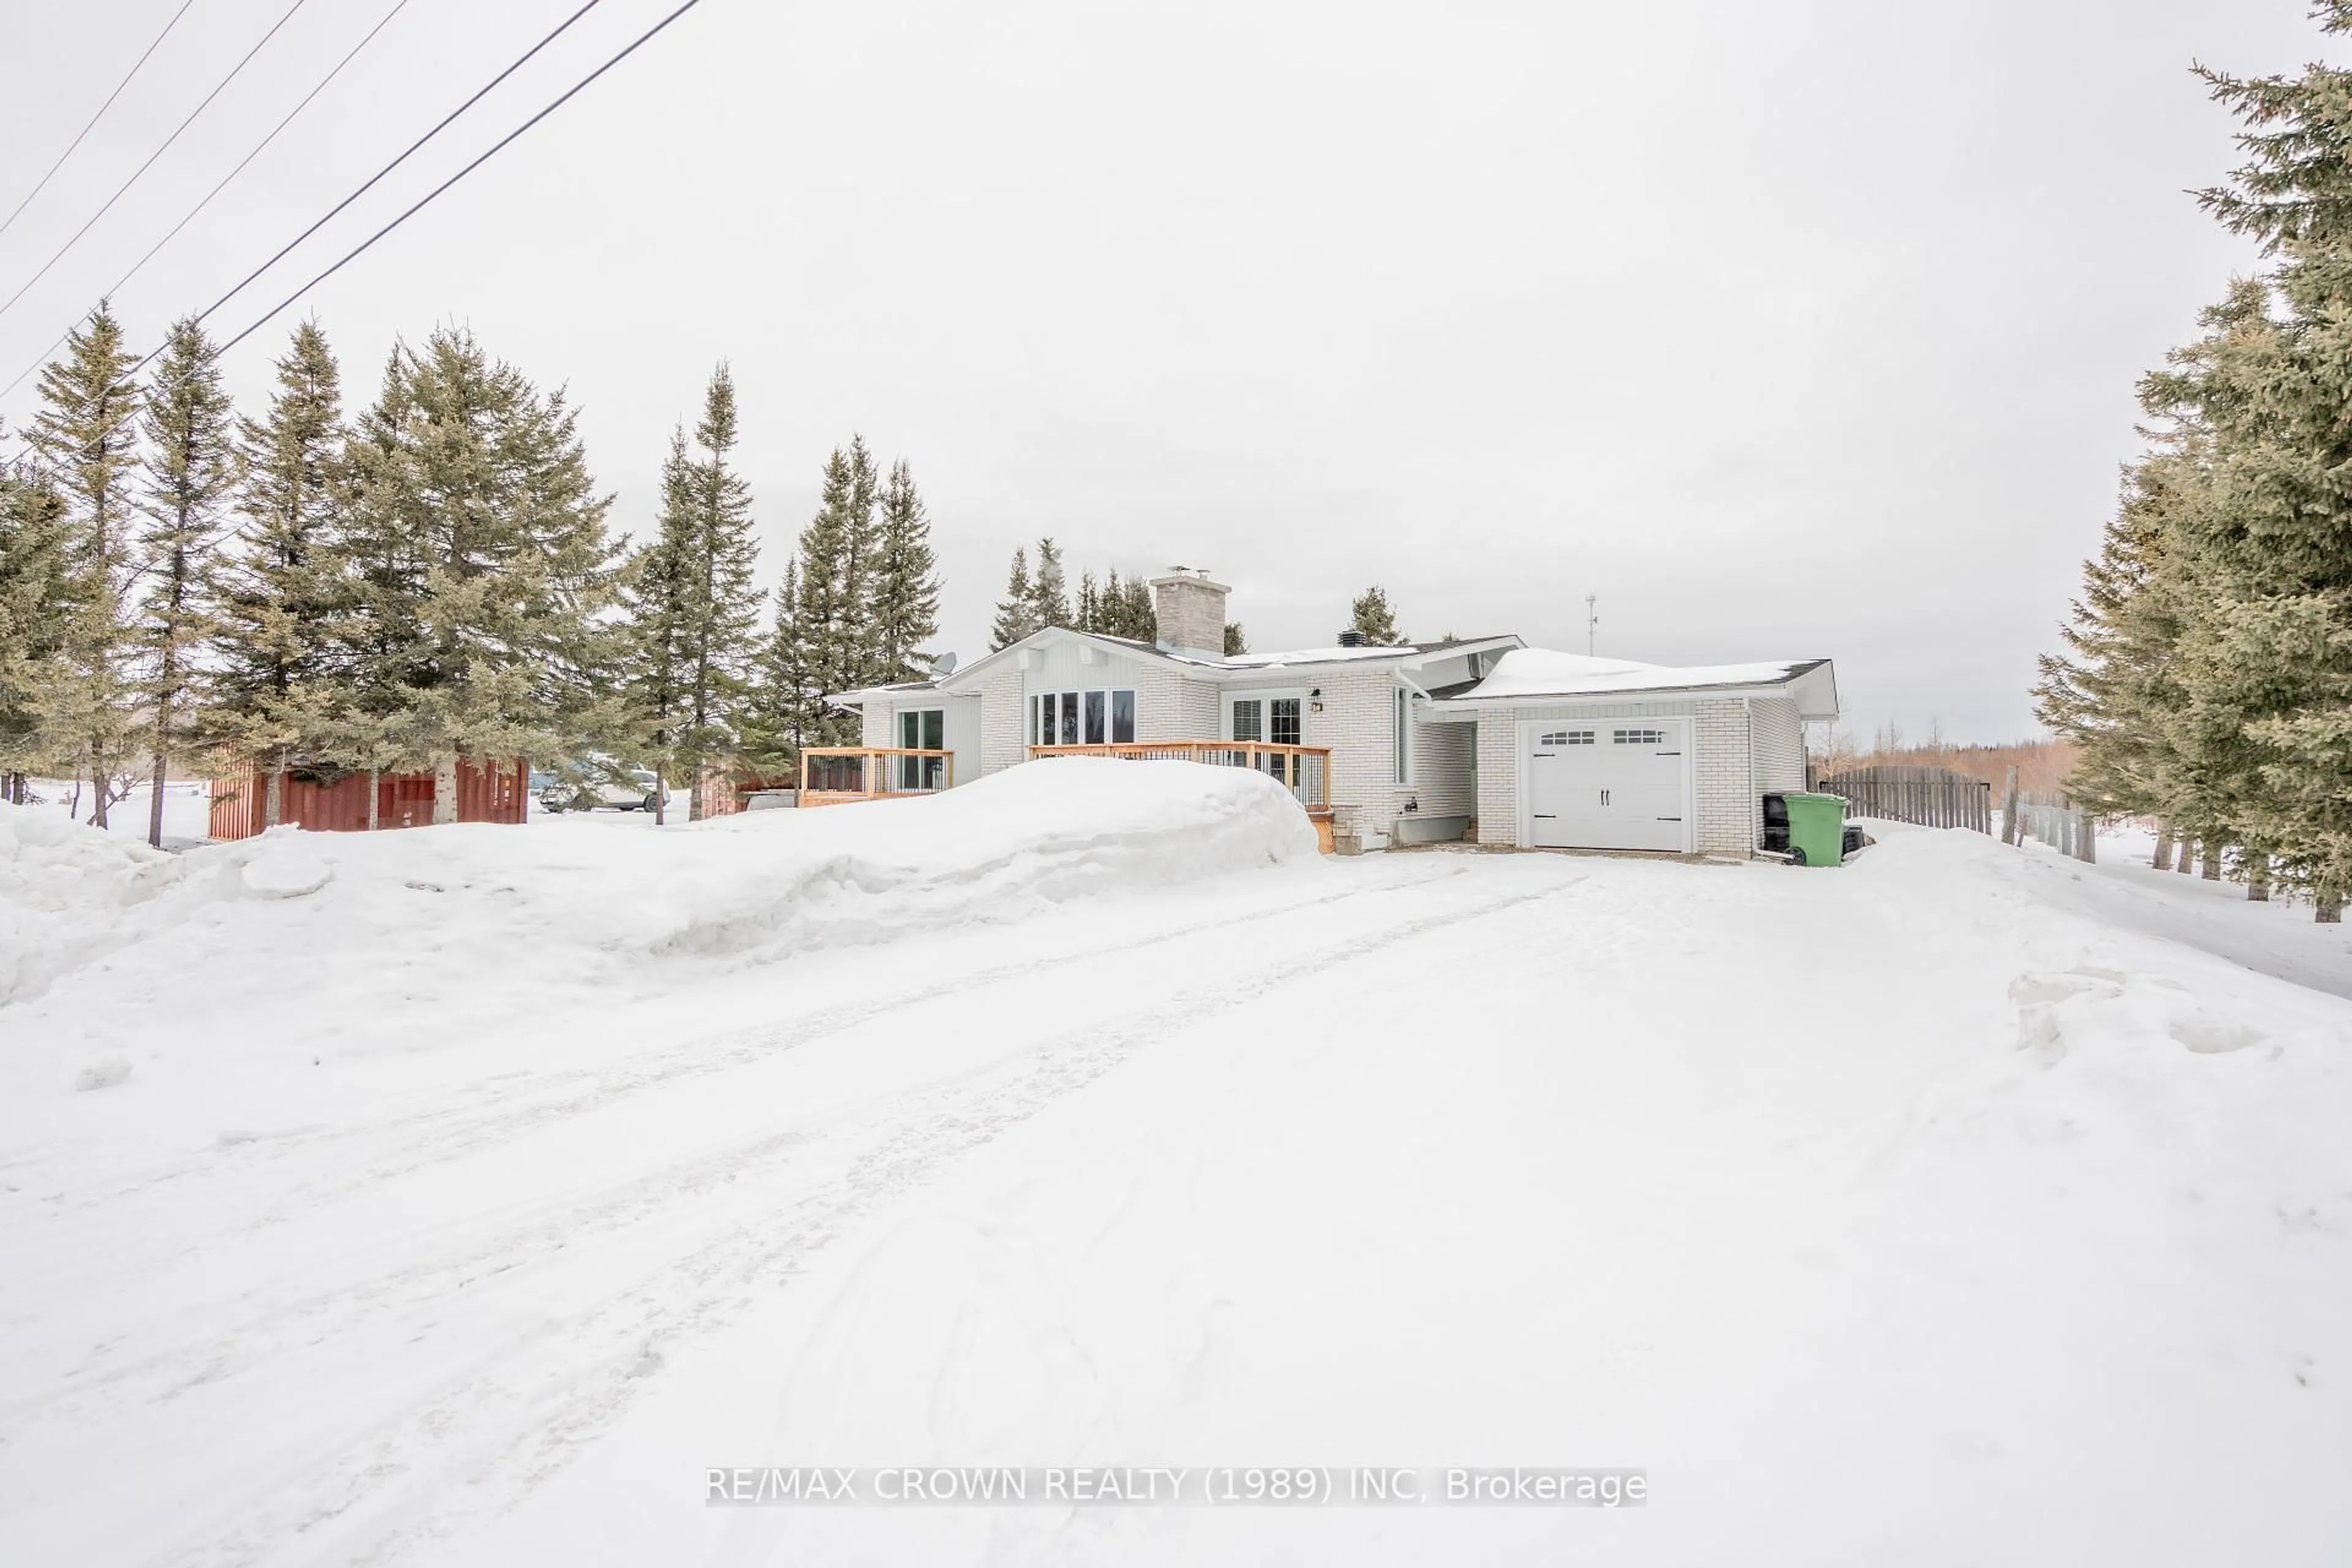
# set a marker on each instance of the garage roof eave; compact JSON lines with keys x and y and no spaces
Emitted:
{"x":1811,"y":684}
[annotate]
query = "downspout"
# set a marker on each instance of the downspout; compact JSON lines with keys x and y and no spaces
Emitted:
{"x":1754,"y":795}
{"x":1413,"y":689}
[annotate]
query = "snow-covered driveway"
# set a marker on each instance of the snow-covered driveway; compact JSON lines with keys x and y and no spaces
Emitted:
{"x":1894,"y":1215}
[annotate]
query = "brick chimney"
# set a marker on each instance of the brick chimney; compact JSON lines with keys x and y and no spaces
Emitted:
{"x":1192,"y":612}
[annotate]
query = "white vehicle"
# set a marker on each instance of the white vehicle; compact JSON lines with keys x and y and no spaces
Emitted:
{"x":630,"y":789}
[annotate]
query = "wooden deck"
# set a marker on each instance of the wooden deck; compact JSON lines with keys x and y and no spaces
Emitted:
{"x":1305,"y":770}
{"x":838,"y":776}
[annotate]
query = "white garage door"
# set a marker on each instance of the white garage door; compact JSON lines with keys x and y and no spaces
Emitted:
{"x":1608,"y":785}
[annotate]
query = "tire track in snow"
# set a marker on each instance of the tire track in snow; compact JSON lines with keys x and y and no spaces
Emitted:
{"x":496,"y":1113}
{"x":507,"y":1428}
{"x":554,"y":1225}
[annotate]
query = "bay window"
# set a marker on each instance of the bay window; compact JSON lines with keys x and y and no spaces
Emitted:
{"x":1104,"y":716}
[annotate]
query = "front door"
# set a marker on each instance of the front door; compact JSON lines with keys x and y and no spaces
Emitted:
{"x":1277,"y":720}
{"x":1607,"y":784}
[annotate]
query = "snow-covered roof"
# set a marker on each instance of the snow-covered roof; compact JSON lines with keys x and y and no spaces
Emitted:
{"x":1531,"y":674}
{"x":1317,"y":656}
{"x":1342,"y":654}
{"x":964,"y":681}
{"x":870,"y":694}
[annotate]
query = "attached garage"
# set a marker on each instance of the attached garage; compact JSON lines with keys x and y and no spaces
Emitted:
{"x":1579,"y":753}
{"x":1608,"y":784}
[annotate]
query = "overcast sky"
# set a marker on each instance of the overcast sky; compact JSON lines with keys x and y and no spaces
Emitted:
{"x":1790,"y":329}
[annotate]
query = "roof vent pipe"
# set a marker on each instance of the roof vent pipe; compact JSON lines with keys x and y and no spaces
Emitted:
{"x":1351,"y":638}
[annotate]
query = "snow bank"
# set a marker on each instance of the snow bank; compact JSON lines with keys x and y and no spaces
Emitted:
{"x":477,"y":921}
{"x":64,"y":890}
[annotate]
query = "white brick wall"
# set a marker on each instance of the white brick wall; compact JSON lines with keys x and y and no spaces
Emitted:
{"x":1723,"y":782}
{"x":1170,"y":706}
{"x":1357,"y":722}
{"x":1498,"y":779}
{"x":1004,"y":731}
{"x":1727,"y":812}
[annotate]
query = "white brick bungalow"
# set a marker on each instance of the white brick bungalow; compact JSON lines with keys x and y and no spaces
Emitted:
{"x":1536,"y":749}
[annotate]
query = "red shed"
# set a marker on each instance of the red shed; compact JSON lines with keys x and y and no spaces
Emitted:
{"x":499,"y":794}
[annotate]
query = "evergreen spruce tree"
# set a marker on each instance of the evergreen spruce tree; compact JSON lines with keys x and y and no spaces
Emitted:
{"x":1140,"y":615}
{"x":86,"y":435}
{"x":1111,"y":607}
{"x":191,"y":469}
{"x":1236,"y":641}
{"x":905,"y":610}
{"x":2266,"y":645}
{"x":2111,"y":691}
{"x":720,"y":566}
{"x":381,"y":639}
{"x":784,"y":710}
{"x":1372,"y":617}
{"x":36,"y":605}
{"x":1089,"y":616}
{"x":2263,"y":735}
{"x":1123,"y":609}
{"x":655,"y":603}
{"x":858,"y":636}
{"x":283,"y":659}
{"x":1049,"y":591}
{"x":830,"y":620}
{"x":487,"y":565}
{"x":1016,"y":613}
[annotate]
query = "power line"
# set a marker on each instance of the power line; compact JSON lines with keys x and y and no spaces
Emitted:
{"x":353,"y":255}
{"x":157,"y":152}
{"x":94,"y":118}
{"x":41,"y":359}
{"x":244,"y":282}
{"x":365,"y":186}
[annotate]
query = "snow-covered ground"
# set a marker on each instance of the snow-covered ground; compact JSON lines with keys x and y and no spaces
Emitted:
{"x":2277,"y":937}
{"x":463,"y":1195}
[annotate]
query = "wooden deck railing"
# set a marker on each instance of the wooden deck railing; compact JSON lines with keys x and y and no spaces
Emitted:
{"x":835,"y":776}
{"x":1307,"y":770}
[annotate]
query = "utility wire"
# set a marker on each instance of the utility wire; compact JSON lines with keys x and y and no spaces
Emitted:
{"x":353,"y":254}
{"x":94,"y":118}
{"x":157,"y":152}
{"x":246,"y":280}
{"x":398,"y":7}
{"x":499,"y":146}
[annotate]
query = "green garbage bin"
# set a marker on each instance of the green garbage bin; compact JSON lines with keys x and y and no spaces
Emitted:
{"x":1816,"y":829}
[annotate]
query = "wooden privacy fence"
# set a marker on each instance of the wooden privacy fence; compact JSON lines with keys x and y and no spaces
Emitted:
{"x":1931,"y":798}
{"x":2053,"y":820}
